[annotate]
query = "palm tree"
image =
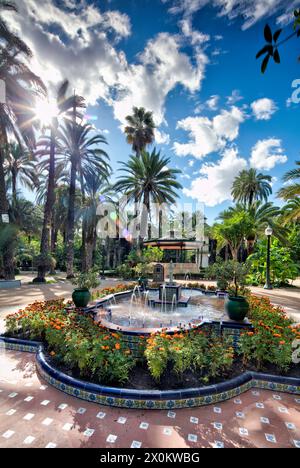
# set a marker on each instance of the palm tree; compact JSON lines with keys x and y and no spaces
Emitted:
{"x":19,"y":166}
{"x":261,"y":215}
{"x":8,"y":36}
{"x":291,"y":211}
{"x":95,"y":189}
{"x":148,"y":180}
{"x":140,"y":129}
{"x":291,"y":191}
{"x":250,"y":186}
{"x":48,"y":147}
{"x":79,"y":143}
{"x":16,"y":114}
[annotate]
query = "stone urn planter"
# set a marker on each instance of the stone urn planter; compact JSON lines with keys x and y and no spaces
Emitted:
{"x":237,"y":308}
{"x":81,"y":297}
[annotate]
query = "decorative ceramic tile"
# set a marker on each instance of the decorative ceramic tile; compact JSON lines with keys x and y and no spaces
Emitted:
{"x":144,"y":426}
{"x":297,"y":443}
{"x":28,"y":440}
{"x":45,"y":403}
{"x":271,"y":438}
{"x":29,"y":417}
{"x":81,"y":411}
{"x":122,"y":420}
{"x":12,"y":395}
{"x":194,"y":420}
{"x":283,"y":410}
{"x":29,"y":398}
{"x":51,"y":445}
{"x":260,"y":405}
{"x":167,"y":431}
{"x":67,"y":426}
{"x":218,"y":426}
{"x":89,"y":432}
{"x":192,"y":438}
{"x":290,"y":426}
{"x":136,"y":444}
{"x":47,"y":422}
{"x":240,"y":415}
{"x":111,"y":439}
{"x":11,"y":412}
{"x":8,"y":434}
{"x":101,"y":415}
{"x":63,"y":406}
{"x":218,"y":445}
{"x":277,"y":397}
{"x":243,"y":431}
{"x":217,"y":410}
{"x":171,"y":415}
{"x":265,"y":420}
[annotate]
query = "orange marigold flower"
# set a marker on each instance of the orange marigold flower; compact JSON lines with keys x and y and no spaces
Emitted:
{"x":117,"y":346}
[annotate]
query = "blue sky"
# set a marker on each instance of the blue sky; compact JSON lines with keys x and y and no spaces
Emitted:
{"x":191,"y":62}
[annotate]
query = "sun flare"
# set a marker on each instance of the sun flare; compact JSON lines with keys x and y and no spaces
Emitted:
{"x":46,"y":111}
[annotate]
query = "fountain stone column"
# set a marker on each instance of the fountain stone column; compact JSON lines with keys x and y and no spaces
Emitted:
{"x":172,"y":289}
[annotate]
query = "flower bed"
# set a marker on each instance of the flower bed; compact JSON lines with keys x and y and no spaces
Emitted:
{"x":100,"y":294}
{"x":87,"y":350}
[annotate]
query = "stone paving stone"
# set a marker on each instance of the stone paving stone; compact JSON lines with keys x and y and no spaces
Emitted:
{"x":255,"y":419}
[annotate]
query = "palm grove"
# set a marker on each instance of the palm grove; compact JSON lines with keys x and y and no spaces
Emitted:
{"x":68,"y":168}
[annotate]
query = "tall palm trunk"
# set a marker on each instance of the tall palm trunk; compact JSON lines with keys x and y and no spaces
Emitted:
{"x":47,"y":223}
{"x":14,"y":187}
{"x":85,"y":254}
{"x":71,"y":218}
{"x":90,"y":242}
{"x":8,"y":254}
{"x":144,"y":216}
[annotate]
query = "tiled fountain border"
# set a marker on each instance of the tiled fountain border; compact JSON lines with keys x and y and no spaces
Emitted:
{"x":152,"y":399}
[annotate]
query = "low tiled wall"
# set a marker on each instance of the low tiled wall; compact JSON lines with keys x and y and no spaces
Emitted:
{"x":150,"y":399}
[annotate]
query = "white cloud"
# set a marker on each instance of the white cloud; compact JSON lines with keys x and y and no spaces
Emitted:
{"x":82,"y":43}
{"x":234,"y":97}
{"x":251,"y":10}
{"x":263,"y":109}
{"x":162,"y":138}
{"x":214,"y":183}
{"x":196,"y":37}
{"x":207,"y":136}
{"x":267,"y":153}
{"x":162,"y":67}
{"x":191,"y":163}
{"x":213,"y":102}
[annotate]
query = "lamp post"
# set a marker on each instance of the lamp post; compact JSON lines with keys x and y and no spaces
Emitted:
{"x":268,"y":233}
{"x":103,"y":259}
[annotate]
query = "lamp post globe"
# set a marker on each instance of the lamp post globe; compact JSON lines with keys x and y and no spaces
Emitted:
{"x":268,"y":233}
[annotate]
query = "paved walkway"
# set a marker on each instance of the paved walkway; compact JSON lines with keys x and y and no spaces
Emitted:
{"x":33,"y":414}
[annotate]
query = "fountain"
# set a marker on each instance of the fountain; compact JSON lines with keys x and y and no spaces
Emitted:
{"x":169,"y":307}
{"x":171,"y":293}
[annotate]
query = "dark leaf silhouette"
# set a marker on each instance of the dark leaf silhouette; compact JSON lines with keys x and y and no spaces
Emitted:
{"x":268,"y":49}
{"x":276,"y":56}
{"x":277,"y":34}
{"x":268,"y":34}
{"x":265,"y":63}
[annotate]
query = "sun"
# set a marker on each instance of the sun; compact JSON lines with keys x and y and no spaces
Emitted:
{"x":46,"y":111}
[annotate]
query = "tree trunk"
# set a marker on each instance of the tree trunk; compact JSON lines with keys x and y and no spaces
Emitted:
{"x":160,"y":221}
{"x":14,"y":187}
{"x":8,"y":255}
{"x":47,"y":223}
{"x":84,"y":248}
{"x":144,"y":216}
{"x":71,"y":219}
